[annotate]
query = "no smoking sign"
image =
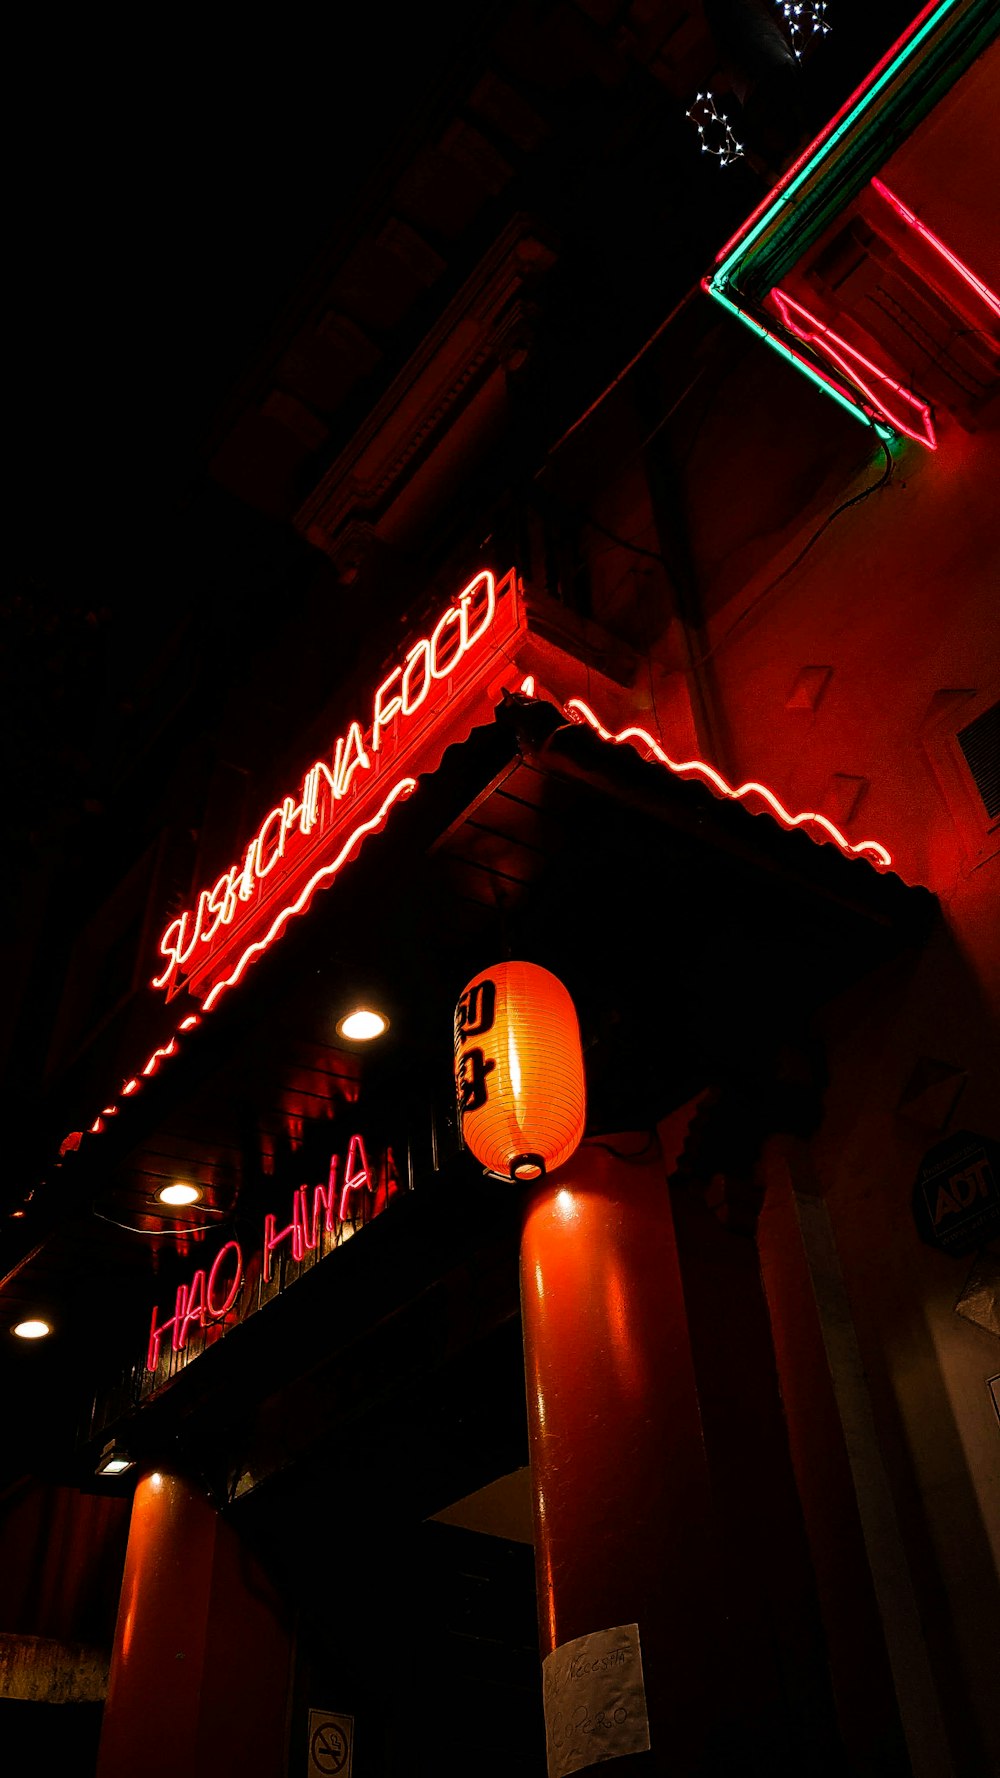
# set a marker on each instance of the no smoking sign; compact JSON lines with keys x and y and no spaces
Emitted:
{"x":331,"y":1742}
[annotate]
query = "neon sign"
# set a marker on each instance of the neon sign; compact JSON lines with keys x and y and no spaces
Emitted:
{"x":341,"y":797}
{"x":880,"y":394}
{"x":211,"y":1294}
{"x":936,"y":47}
{"x":578,"y":711}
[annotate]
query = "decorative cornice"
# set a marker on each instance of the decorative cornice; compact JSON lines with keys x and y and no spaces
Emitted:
{"x":477,"y":332}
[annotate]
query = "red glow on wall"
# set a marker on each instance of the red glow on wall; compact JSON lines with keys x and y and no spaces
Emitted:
{"x":640,"y":738}
{"x":881,"y":394}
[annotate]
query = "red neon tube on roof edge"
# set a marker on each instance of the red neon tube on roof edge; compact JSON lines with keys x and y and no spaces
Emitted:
{"x":873,"y":853}
{"x":403,"y":788}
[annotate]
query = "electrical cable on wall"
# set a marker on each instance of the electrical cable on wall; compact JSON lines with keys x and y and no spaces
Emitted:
{"x":772,"y":585}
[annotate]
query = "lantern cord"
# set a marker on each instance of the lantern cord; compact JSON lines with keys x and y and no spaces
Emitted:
{"x":500,"y":903}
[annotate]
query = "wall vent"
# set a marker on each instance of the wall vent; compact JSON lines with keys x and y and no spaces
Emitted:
{"x":980,"y":743}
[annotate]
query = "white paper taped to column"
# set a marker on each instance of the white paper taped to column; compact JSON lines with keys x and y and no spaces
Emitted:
{"x":595,"y":1700}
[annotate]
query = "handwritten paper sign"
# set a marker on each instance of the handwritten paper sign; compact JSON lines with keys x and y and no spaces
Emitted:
{"x":595,"y":1700}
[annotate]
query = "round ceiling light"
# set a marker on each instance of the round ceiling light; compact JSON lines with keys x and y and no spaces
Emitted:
{"x":33,"y":1329}
{"x":362,"y":1024}
{"x":181,"y":1193}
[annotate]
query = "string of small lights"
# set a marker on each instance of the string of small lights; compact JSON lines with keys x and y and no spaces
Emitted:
{"x":715,"y":132}
{"x":805,"y":19}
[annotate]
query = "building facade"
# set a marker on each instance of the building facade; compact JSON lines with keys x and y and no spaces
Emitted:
{"x":598,"y":567}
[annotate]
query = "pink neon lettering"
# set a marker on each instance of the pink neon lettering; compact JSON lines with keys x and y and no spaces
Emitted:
{"x":352,"y":760}
{"x":260,"y":868}
{"x":409,"y":703}
{"x":384,"y":713}
{"x":484,"y":579}
{"x":156,"y":1333}
{"x":319,"y":774}
{"x":247,"y":876}
{"x":405,"y":787}
{"x":273,"y":1238}
{"x":400,"y":695}
{"x":187,"y":949}
{"x":219,"y":1309}
{"x":196,"y":1302}
{"x":323,"y":1197}
{"x":170,"y":948}
{"x":194,"y":1308}
{"x":356,"y":1176}
{"x":222,"y":903}
{"x":450,"y":617}
{"x":291,"y":811}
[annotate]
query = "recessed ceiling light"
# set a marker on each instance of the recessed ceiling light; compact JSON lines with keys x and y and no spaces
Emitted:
{"x":34,"y":1329}
{"x":181,"y":1193}
{"x":362,"y":1024}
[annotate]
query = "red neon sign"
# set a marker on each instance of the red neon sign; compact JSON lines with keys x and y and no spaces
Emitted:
{"x":983,"y":291}
{"x":303,"y":1231}
{"x":883,"y":394}
{"x":201,"y":1301}
{"x":289,"y":855}
{"x":210,"y":1295}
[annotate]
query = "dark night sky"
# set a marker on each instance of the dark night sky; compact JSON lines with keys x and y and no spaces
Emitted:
{"x":172,"y":181}
{"x":171,"y":184}
{"x":170,"y":190}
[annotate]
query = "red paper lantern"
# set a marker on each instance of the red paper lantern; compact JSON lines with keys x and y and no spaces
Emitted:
{"x":519,"y":1070}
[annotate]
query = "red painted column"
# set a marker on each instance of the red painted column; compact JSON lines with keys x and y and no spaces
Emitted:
{"x":618,"y":1467}
{"x":201,"y":1658}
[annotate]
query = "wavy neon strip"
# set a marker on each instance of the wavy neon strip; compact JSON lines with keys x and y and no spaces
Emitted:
{"x":875,"y":853}
{"x":157,"y":1056}
{"x":404,"y":787}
